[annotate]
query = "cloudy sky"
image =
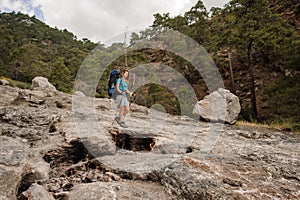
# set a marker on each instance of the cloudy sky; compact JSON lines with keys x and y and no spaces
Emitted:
{"x":100,"y":20}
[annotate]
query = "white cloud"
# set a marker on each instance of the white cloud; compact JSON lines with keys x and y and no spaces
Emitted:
{"x":214,"y":3}
{"x":99,"y":20}
{"x":17,"y":5}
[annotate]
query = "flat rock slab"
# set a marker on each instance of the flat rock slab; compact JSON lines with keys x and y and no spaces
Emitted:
{"x":120,"y":190}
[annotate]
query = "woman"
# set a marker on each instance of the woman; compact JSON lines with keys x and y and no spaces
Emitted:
{"x":122,"y":97}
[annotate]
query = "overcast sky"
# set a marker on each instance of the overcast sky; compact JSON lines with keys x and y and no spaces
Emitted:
{"x":100,"y":20}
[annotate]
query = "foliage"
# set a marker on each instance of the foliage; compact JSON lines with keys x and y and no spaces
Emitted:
{"x":283,"y":98}
{"x":153,"y":94}
{"x":30,"y":48}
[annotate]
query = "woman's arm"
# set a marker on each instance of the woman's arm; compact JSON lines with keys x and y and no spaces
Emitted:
{"x":118,"y":88}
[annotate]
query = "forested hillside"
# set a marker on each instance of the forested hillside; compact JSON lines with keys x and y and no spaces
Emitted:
{"x":258,"y":39}
{"x":29,"y":48}
{"x":289,"y":10}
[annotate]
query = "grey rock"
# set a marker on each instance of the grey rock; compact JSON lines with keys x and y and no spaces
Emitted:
{"x":220,"y":105}
{"x":79,"y":93}
{"x":8,"y":94}
{"x":13,"y":152}
{"x":37,"y":192}
{"x":40,"y":170}
{"x":9,"y":180}
{"x":137,"y":108}
{"x":115,"y":177}
{"x":4,"y":82}
{"x":118,"y":190}
{"x":99,"y":146}
{"x":42,"y":83}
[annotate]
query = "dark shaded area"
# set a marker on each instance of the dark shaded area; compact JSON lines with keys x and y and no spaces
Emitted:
{"x":26,"y":182}
{"x":135,"y":143}
{"x":71,"y":165}
{"x":72,"y":154}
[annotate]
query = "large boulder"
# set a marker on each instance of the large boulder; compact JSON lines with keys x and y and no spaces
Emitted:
{"x":41,"y":83}
{"x":220,"y":105}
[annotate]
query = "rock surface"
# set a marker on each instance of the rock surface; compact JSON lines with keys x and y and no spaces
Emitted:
{"x":37,"y":192}
{"x":134,"y":190}
{"x":220,"y":105}
{"x":54,"y":150}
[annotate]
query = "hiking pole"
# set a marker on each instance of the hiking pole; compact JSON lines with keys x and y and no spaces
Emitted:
{"x":125,"y":47}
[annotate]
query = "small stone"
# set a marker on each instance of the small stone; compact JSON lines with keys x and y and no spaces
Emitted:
{"x":107,"y":178}
{"x":37,"y":192}
{"x":115,"y":177}
{"x":79,"y":93}
{"x":234,"y":183}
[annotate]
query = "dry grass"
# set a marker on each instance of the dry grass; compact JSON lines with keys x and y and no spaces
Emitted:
{"x":284,"y":126}
{"x":15,"y":83}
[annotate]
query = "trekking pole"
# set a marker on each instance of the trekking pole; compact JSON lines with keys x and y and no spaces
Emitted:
{"x":125,"y":47}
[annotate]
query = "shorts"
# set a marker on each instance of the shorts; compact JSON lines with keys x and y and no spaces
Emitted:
{"x":122,"y":100}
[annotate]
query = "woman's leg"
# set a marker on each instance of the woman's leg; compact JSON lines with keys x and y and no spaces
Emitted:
{"x":126,"y":110}
{"x":122,"y":113}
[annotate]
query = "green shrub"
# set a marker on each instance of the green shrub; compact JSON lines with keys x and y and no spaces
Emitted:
{"x":296,"y":127}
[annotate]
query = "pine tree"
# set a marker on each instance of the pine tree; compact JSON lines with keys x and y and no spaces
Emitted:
{"x":255,"y":30}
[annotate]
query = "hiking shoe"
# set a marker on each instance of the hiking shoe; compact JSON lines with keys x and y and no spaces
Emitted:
{"x":123,"y":124}
{"x":117,"y":119}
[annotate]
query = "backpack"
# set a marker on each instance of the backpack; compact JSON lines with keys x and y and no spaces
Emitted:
{"x":114,"y":75}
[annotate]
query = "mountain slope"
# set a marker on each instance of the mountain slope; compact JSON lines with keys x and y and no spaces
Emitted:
{"x":288,"y":10}
{"x":29,"y":48}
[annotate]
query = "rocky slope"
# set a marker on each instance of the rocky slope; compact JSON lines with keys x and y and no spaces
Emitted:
{"x":289,"y":10}
{"x":49,"y":152}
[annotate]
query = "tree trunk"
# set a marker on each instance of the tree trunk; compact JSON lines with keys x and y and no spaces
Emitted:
{"x":16,"y":71}
{"x":125,"y":48}
{"x":231,"y":74}
{"x":252,"y":89}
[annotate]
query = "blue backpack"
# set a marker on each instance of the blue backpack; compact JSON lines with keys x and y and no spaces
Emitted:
{"x":114,"y":75}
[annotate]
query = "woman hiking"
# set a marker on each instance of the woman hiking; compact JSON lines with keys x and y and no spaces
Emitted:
{"x":122,"y":97}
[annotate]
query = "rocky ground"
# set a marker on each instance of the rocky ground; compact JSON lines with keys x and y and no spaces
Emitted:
{"x":50,"y":150}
